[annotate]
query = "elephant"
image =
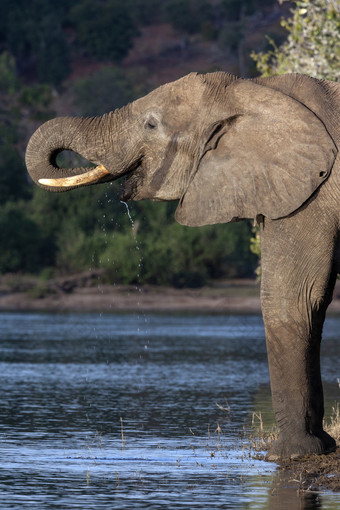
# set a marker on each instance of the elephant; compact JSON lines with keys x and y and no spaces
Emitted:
{"x":229,"y":149}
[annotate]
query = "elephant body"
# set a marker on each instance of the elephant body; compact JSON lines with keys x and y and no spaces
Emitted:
{"x":229,"y":149}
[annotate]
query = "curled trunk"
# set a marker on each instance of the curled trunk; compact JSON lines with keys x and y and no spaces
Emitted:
{"x":76,"y":134}
{"x":89,"y":137}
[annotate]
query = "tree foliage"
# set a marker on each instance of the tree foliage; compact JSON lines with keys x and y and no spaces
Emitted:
{"x":17,"y":104}
{"x":103,"y":29}
{"x":24,"y":246}
{"x":90,"y":228}
{"x":42,"y":34}
{"x":160,"y":251}
{"x":312,"y":47}
{"x":107,"y":89}
{"x":313,"y":43}
{"x":33,"y":32}
{"x":189,"y":15}
{"x":144,"y":12}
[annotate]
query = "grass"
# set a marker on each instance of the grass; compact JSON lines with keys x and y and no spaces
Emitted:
{"x":261,"y":438}
{"x":333,"y":427}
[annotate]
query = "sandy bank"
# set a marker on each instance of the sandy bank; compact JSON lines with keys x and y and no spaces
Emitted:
{"x":110,"y":298}
{"x":86,"y":293}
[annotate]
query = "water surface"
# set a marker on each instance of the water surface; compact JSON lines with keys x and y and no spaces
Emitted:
{"x":139,"y":411}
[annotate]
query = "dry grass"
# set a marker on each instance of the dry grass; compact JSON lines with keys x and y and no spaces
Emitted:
{"x":333,"y":428}
{"x":261,"y":438}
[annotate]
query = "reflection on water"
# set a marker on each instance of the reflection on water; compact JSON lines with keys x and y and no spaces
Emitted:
{"x":144,"y":411}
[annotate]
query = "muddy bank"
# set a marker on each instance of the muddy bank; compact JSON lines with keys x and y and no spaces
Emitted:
{"x":86,"y":292}
{"x":313,"y":472}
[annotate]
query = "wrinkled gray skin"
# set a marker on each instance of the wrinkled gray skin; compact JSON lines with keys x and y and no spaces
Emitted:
{"x":230,"y":149}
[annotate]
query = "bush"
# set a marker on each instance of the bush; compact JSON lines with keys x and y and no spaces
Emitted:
{"x":13,"y":175}
{"x":312,"y":46}
{"x":33,"y":32}
{"x":144,"y":12}
{"x":104,"y":29}
{"x":166,"y":253}
{"x":78,"y":252}
{"x":37,"y":100}
{"x":102,"y":92}
{"x":189,"y":15}
{"x":23,"y":247}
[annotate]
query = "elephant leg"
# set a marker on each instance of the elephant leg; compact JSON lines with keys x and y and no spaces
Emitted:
{"x":295,"y":293}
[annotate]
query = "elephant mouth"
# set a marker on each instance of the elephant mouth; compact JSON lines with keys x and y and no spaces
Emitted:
{"x":132,"y":183}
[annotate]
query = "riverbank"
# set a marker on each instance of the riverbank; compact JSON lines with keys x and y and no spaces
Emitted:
{"x":312,"y":473}
{"x":85,"y":292}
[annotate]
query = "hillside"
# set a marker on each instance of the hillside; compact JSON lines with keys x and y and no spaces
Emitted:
{"x":89,"y":58}
{"x":160,"y":53}
{"x":168,"y":54}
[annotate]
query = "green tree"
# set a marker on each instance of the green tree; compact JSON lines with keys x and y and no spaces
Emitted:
{"x":79,"y":223}
{"x":18,"y":105}
{"x":90,"y":227}
{"x":33,"y":32}
{"x":234,"y":9}
{"x":24,"y":248}
{"x":159,"y":251}
{"x":107,"y":89}
{"x":13,"y":183}
{"x":312,"y":47}
{"x":313,"y":43}
{"x":13,"y":176}
{"x":144,"y":12}
{"x":189,"y":15}
{"x":105,"y":30}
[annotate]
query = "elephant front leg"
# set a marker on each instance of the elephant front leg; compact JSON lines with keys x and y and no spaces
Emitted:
{"x":294,"y":361}
{"x":296,"y":290}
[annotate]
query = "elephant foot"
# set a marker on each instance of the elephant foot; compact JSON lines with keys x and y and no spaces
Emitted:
{"x":327,"y":441}
{"x":292,"y":448}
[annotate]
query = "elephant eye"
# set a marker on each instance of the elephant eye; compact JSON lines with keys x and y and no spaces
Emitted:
{"x":150,"y":123}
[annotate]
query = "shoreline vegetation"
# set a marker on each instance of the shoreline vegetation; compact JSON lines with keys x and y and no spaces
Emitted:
{"x":311,"y":473}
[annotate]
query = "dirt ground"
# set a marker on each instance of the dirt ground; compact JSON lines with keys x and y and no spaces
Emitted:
{"x":314,"y":472}
{"x":86,"y":293}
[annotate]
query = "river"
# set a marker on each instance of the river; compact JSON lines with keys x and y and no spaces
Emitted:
{"x":102,"y":411}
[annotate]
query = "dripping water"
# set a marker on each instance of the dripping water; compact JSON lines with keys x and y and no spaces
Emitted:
{"x":140,"y":260}
{"x":134,"y":235}
{"x":129,"y":214}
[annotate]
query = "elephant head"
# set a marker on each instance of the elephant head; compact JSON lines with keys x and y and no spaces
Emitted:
{"x":226,"y":148}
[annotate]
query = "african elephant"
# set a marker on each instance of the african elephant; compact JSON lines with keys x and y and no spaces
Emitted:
{"x":229,"y":149}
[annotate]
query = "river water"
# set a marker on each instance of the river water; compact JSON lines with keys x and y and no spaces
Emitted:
{"x":141,"y":411}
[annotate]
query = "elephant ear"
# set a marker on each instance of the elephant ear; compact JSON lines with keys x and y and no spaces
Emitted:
{"x":268,"y":157}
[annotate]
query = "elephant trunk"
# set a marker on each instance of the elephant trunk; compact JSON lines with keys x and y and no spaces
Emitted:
{"x":85,"y":136}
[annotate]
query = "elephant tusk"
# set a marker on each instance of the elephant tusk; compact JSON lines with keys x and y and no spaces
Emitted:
{"x":76,"y":180}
